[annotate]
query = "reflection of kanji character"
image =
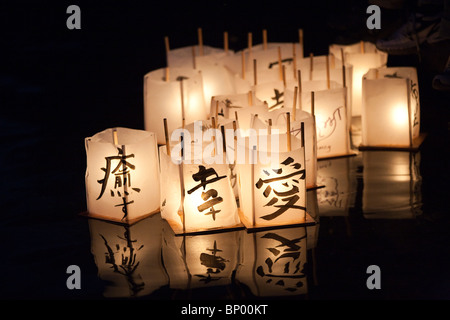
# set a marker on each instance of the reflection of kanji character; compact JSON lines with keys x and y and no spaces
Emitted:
{"x":214,"y":264}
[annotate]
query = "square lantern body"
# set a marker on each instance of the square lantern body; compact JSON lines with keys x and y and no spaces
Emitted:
{"x":338,"y":176}
{"x":202,"y":260}
{"x":362,"y":56}
{"x":128,"y":258}
{"x":332,"y":127}
{"x":274,"y":262}
{"x":120,"y":179}
{"x":181,"y":97}
{"x":183,"y":57}
{"x":392,"y":185}
{"x":196,"y":193}
{"x":271,"y":180}
{"x":279,"y":118}
{"x":391,"y":108}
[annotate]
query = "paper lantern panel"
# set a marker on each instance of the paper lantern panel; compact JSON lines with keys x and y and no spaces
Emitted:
{"x":120,"y":177}
{"x":391,"y":113}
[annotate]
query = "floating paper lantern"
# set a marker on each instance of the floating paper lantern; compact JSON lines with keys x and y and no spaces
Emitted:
{"x":176,"y":95}
{"x":274,"y":262}
{"x":332,"y":128}
{"x":128,"y":258}
{"x":391,"y":108}
{"x":122,"y":168}
{"x":202,"y":260}
{"x":272,"y":188}
{"x":196,"y":194}
{"x":392,"y":183}
{"x":362,"y":56}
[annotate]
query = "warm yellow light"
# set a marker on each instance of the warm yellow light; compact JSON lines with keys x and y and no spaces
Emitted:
{"x":399,"y":115}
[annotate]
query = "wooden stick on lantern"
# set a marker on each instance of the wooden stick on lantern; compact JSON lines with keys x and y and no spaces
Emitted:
{"x":362,"y":46}
{"x":213,"y":124}
{"x":235,"y":127}
{"x":294,"y":60}
{"x":311,"y":65}
{"x":224,"y":140}
{"x":182,"y":102}
{"x":302,"y":137}
{"x":225,"y":41}
{"x":255,"y":74}
{"x":217,"y":111}
{"x":269,"y":129}
{"x":250,"y":98}
{"x":193,"y":58}
{"x":343,"y":69}
{"x":166,"y":135}
{"x":250,"y":43}
{"x":167,"y":77}
{"x":115,"y":139}
{"x":200,"y":41}
{"x":294,"y":104}
{"x":299,"y":80}
{"x":312,"y":104}
{"x":300,"y":37}
{"x":328,"y":71}
{"x":280,"y":64}
{"x":288,"y":130}
{"x":284,"y":75}
{"x":264,"y":32}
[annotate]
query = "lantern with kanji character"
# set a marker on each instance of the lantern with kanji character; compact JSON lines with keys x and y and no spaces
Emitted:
{"x":274,"y":262}
{"x":122,"y":168}
{"x":196,"y":194}
{"x":177,"y":95}
{"x":391,"y":108}
{"x":271,"y":179}
{"x":128,"y":258}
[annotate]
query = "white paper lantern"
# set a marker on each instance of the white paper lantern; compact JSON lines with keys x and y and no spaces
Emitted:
{"x":196,"y":194}
{"x":201,"y":260}
{"x":274,"y":262}
{"x":362,"y":56}
{"x":225,"y":106}
{"x":177,"y":96}
{"x":391,"y":109}
{"x":392,"y":185}
{"x":272,"y":187}
{"x":121,"y":175}
{"x":128,"y":258}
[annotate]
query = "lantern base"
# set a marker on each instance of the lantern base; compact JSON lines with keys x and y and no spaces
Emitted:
{"x":309,"y":221}
{"x":127,"y":222}
{"x":343,"y":155}
{"x":416,"y":143}
{"x":177,"y":228}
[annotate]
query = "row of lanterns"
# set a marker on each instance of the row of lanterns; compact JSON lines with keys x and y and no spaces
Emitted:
{"x":186,"y":166}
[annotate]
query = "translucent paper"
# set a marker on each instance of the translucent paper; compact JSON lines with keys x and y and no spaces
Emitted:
{"x":120,"y":178}
{"x":391,"y":109}
{"x":272,"y":187}
{"x":181,"y":97}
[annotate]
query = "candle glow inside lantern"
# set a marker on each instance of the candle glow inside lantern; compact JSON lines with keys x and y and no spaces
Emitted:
{"x":272,"y":187}
{"x":362,"y":56}
{"x":274,"y":262}
{"x":201,"y":260}
{"x":391,"y":108}
{"x":177,"y":96}
{"x":122,"y":167}
{"x":196,"y":193}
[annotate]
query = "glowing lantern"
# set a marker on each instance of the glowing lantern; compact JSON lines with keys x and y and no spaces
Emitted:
{"x":196,"y":193}
{"x":201,"y":260}
{"x":177,"y":96}
{"x":391,"y":109}
{"x":332,"y":129}
{"x":362,"y":56}
{"x":225,"y":106}
{"x":274,"y":262}
{"x":128,"y":258}
{"x":122,"y":167}
{"x":271,"y":179}
{"x":392,"y":183}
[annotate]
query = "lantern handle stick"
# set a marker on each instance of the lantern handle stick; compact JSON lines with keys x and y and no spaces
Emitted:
{"x":115,"y":139}
{"x":182,"y":102}
{"x":362,"y":46}
{"x":294,"y":60}
{"x":280,"y":63}
{"x":217,"y":111}
{"x":166,"y":134}
{"x":224,"y":140}
{"x":264,"y":33}
{"x":299,"y":80}
{"x":250,"y":43}
{"x":300,"y":37}
{"x":302,"y":136}
{"x":181,"y":175}
{"x":213,"y":123}
{"x":193,"y":58}
{"x":252,"y":184}
{"x":225,"y":41}
{"x":200,"y":41}
{"x":269,"y":129}
{"x":250,"y":98}
{"x":294,"y":104}
{"x":167,"y":78}
{"x":311,"y":66}
{"x":167,"y":46}
{"x":328,"y":71}
{"x":312,"y":104}
{"x":234,"y":128}
{"x":283,"y":69}
{"x":255,"y":74}
{"x":288,"y":130}
{"x":343,"y":68}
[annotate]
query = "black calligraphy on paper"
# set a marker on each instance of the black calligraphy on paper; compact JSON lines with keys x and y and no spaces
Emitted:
{"x":328,"y":127}
{"x":288,"y":182}
{"x":278,"y":101}
{"x":285,"y":256}
{"x":211,"y":196}
{"x":289,"y":60}
{"x":214,"y":264}
{"x":123,"y":260}
{"x":119,"y":167}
